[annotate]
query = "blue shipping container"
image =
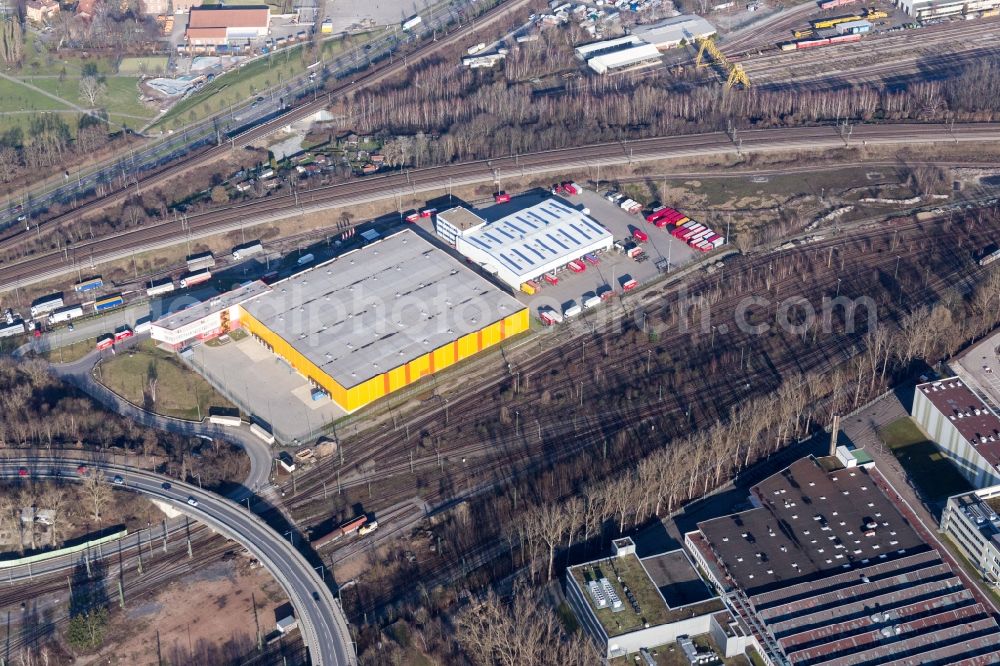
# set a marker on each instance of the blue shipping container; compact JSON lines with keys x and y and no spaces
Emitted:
{"x":89,"y":285}
{"x":109,"y":303}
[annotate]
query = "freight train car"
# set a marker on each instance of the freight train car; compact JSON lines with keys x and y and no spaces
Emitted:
{"x":109,"y":302}
{"x":89,"y":284}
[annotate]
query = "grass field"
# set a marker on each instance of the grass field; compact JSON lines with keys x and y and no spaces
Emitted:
{"x":244,"y":82}
{"x":121,"y":100}
{"x":43,"y":68}
{"x":148,"y":65}
{"x":928,"y":468}
{"x":71,"y":352}
{"x":179,"y":391}
{"x":901,"y":432}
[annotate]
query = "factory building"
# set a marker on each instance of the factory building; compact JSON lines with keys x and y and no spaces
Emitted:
{"x":971,"y":520}
{"x":619,"y":53}
{"x":216,"y":26}
{"x":672,"y":32}
{"x":628,"y":604}
{"x":529,"y":243}
{"x":365,"y":324}
{"x":826,"y":570}
{"x":923,"y":10}
{"x":962,"y":426}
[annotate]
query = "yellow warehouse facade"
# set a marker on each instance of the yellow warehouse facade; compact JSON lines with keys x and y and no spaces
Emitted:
{"x":353,"y":398}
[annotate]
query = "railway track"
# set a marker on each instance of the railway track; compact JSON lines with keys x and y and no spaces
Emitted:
{"x":876,"y":57}
{"x":487,"y":458}
{"x":48,"y":594}
{"x":411,"y":183}
{"x":359,"y":82}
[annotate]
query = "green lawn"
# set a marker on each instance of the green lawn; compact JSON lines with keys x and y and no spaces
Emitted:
{"x":71,"y":352}
{"x":121,"y":100}
{"x":179,"y":391}
{"x":901,"y":432}
{"x":150,"y":65}
{"x":242,"y":83}
{"x":15,"y":99}
{"x":931,"y":471}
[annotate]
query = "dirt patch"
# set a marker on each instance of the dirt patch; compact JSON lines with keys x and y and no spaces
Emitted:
{"x":204,"y":618}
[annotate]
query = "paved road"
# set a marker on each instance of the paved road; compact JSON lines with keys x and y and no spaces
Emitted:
{"x":79,"y":374}
{"x":322,"y":621}
{"x":123,"y":170}
{"x":407,"y":184}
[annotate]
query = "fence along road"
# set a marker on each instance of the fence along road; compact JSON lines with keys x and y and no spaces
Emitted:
{"x":322,"y":621}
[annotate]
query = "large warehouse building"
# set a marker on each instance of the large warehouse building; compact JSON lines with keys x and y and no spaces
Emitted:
{"x":531,"y":242}
{"x":672,"y":32}
{"x":828,"y":571}
{"x":366,"y":324}
{"x":215,"y":26}
{"x":930,"y":9}
{"x":962,"y":426}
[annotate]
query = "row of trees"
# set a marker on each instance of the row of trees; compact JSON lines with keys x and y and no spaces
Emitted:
{"x":482,"y":115}
{"x":49,"y":142}
{"x":652,"y":459}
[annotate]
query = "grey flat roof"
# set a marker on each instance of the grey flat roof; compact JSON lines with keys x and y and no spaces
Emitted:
{"x":182,"y":318}
{"x":379,"y":307}
{"x":461,"y":218}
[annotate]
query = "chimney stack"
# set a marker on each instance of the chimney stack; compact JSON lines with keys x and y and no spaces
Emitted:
{"x":834,"y":431}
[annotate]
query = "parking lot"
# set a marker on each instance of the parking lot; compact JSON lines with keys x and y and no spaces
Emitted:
{"x":614,"y":268}
{"x":265,"y":386}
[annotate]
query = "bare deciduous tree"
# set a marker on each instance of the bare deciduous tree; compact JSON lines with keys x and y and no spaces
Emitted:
{"x":92,"y":90}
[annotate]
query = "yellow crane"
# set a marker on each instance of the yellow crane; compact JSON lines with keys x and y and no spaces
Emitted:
{"x":734,"y":72}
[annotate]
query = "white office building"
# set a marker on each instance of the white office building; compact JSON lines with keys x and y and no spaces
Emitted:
{"x":971,"y":520}
{"x":531,"y":242}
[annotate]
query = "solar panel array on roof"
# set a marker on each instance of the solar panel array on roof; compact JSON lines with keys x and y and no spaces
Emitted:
{"x":536,"y":236}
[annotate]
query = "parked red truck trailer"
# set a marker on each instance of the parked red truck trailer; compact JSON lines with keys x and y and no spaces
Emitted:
{"x":576,"y":266}
{"x":640,"y":235}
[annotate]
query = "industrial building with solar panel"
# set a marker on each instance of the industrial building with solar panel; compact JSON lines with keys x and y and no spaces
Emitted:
{"x":366,"y":324}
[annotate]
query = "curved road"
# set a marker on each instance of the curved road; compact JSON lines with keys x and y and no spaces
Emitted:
{"x":322,"y":621}
{"x":79,"y":374}
{"x":409,"y":183}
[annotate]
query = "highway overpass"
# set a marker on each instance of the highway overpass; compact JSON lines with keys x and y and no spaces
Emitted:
{"x":322,"y":621}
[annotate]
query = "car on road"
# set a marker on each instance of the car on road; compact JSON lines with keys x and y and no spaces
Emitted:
{"x":71,"y":328}
{"x":165,"y":485}
{"x":119,"y":481}
{"x":192,"y":501}
{"x":316,"y":597}
{"x":22,"y":471}
{"x":81,"y":469}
